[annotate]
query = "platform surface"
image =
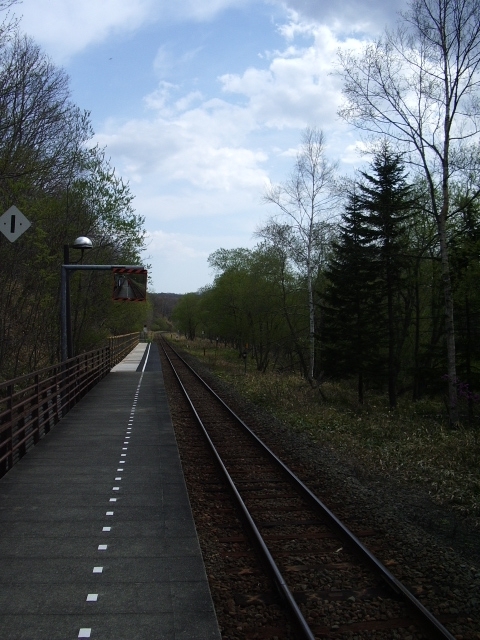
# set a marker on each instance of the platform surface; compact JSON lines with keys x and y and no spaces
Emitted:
{"x":97,"y":538}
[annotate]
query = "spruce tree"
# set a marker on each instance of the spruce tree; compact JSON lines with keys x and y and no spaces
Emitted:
{"x":350,"y":300}
{"x":387,"y":202}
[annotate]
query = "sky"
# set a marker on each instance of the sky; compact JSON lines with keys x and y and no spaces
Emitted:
{"x":201,"y":104}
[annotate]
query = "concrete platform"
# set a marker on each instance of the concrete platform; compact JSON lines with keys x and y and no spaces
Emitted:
{"x":132,"y":361}
{"x":97,"y":538}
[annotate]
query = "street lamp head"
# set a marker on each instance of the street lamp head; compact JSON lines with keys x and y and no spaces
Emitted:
{"x":82,"y":243}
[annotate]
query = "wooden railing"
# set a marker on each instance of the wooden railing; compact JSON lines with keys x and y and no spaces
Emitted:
{"x":32,"y":404}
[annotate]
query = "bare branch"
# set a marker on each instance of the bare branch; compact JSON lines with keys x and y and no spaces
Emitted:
{"x":305,"y":203}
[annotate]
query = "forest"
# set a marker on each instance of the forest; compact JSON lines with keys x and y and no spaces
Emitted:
{"x":64,"y":184}
{"x":373,"y":256}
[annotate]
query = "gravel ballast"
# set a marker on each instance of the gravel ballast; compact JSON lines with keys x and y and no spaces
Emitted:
{"x":430,"y":550}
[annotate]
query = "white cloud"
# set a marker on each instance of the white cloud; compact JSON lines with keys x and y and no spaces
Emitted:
{"x":202,"y":146}
{"x":196,"y":146}
{"x":297,"y":89}
{"x":176,"y":246}
{"x":159,"y":98}
{"x":296,"y":27}
{"x":348,"y":16}
{"x":187,"y":101}
{"x":354,"y":153}
{"x":199,"y":9}
{"x":65,"y":27}
{"x":171,"y":255}
{"x":291,"y":152}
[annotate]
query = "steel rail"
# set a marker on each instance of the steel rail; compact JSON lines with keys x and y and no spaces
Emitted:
{"x":427,"y":618}
{"x":278,"y":579}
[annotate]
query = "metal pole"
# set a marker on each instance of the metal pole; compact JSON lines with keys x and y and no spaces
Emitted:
{"x":68,"y":307}
{"x":63,"y":313}
{"x":65,"y":319}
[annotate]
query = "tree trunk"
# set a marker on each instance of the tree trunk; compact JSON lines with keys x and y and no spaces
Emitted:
{"x":293,"y":334}
{"x":452,"y":402}
{"x":392,"y":374}
{"x":311,"y":313}
{"x":416,"y":348}
{"x":468,"y":359}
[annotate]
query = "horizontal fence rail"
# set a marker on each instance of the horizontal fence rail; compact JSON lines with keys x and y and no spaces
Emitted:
{"x":32,"y":404}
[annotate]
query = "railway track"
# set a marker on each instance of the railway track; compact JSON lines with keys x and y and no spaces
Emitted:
{"x":327,"y":580}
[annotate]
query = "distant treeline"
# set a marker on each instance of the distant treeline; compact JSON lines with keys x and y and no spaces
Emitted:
{"x":162,"y":306}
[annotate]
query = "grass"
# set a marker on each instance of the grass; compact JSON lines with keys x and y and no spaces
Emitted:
{"x":412,"y":443}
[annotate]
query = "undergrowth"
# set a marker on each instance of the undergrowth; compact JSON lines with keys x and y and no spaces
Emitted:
{"x":412,"y":443}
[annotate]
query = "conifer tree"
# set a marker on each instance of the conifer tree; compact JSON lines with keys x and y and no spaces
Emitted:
{"x":351,"y":321}
{"x":387,"y":201}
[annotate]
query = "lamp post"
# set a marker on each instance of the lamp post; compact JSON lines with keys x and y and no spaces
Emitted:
{"x":83,"y":243}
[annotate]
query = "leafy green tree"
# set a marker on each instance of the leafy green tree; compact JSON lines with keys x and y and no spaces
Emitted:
{"x":279,"y":239}
{"x":65,"y":189}
{"x":186,"y":314}
{"x":41,"y":130}
{"x":223,"y":309}
{"x":244,"y":305}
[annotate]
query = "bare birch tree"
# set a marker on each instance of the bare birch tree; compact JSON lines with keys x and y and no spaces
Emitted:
{"x":305,"y":202}
{"x":419,"y":85}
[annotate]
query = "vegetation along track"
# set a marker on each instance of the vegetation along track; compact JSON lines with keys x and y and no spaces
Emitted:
{"x":330,"y":584}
